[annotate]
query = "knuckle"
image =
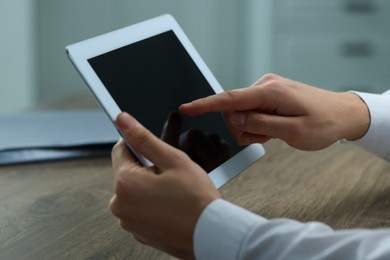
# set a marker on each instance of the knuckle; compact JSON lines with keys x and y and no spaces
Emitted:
{"x":119,"y":186}
{"x":114,"y":207}
{"x":266,"y":78}
{"x":232,"y":94}
{"x":274,"y":85}
{"x":116,"y":147}
{"x":124,"y":196}
{"x":258,"y":121}
{"x":231,"y":97}
{"x":179,"y":157}
{"x":123,"y":188}
{"x":263,"y":122}
{"x":269,"y":76}
{"x":142,"y":139}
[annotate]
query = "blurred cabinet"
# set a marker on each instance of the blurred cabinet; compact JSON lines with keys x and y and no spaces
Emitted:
{"x":334,"y":44}
{"x":18,"y":80}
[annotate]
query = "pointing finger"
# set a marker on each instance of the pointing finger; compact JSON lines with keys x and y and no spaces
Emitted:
{"x":237,"y":99}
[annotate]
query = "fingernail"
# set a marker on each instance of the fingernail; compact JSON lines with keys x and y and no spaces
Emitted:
{"x":125,"y":121}
{"x":238,"y":119}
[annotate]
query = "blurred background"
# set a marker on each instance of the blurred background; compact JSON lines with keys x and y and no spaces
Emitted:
{"x":334,"y":44}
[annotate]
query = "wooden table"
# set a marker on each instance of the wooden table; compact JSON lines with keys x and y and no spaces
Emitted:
{"x":59,"y":210}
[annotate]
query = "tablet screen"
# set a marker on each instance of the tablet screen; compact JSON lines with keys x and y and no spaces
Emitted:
{"x":150,"y":79}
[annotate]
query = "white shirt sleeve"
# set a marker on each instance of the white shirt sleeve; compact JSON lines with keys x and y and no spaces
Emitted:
{"x":377,"y":139}
{"x":226,"y":231}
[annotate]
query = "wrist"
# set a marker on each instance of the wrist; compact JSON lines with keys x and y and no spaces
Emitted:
{"x":357,"y":117}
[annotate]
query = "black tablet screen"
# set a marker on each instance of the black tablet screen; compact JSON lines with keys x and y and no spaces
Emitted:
{"x":150,"y":79}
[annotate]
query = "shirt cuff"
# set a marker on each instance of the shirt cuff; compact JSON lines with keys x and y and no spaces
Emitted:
{"x":377,"y":139}
{"x":221,"y":230}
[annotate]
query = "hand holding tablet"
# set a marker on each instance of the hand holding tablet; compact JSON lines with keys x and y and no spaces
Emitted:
{"x":149,"y":70}
{"x":160,"y":210}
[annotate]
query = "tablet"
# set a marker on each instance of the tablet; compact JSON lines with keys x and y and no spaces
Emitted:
{"x":148,"y":70}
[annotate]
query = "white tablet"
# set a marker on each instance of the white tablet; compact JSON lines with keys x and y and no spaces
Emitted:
{"x":148,"y":70}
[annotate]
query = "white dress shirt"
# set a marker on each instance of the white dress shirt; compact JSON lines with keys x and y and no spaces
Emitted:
{"x":226,"y":231}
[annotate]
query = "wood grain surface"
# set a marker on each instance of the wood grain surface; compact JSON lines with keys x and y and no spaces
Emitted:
{"x":59,"y":210}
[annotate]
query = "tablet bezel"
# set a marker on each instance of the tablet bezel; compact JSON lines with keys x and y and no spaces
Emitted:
{"x":79,"y":54}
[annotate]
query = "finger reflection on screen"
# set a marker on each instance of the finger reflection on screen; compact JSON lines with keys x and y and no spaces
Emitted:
{"x":208,"y":150}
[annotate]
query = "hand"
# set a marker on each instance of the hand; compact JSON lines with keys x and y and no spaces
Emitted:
{"x":305,"y":117}
{"x":160,"y":210}
{"x":207,"y":150}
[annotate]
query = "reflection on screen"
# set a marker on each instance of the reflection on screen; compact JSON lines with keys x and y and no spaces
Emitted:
{"x":150,"y":79}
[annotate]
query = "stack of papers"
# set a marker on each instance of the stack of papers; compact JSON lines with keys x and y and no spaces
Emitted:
{"x":52,"y":135}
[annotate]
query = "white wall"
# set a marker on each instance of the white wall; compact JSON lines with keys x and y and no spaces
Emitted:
{"x":212,"y":26}
{"x":18,"y":55}
{"x":233,"y":37}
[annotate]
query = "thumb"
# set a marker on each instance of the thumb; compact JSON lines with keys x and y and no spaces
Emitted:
{"x":145,"y":143}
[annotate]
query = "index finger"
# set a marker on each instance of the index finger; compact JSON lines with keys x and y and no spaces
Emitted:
{"x":232,"y":100}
